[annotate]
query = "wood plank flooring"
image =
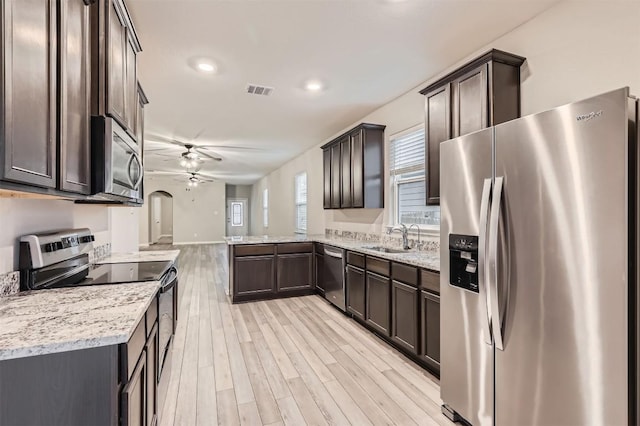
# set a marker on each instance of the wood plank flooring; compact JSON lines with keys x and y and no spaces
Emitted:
{"x":282,"y":362}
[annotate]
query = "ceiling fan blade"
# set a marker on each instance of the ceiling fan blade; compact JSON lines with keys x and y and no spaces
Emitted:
{"x":230,"y":147}
{"x":206,"y":154}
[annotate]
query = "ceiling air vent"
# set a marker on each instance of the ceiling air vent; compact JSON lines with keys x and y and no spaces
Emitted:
{"x":254,"y":89}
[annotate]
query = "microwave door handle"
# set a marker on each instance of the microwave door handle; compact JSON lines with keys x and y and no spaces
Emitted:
{"x":496,"y":314}
{"x":482,"y":260}
{"x":134,"y":183}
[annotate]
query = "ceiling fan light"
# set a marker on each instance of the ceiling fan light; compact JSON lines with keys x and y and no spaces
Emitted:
{"x":195,"y":183}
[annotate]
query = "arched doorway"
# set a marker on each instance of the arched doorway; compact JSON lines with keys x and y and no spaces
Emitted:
{"x":160,"y":218}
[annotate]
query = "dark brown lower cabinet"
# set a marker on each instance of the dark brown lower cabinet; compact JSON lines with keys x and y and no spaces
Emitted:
{"x":319,"y":273}
{"x":430,"y":324}
{"x":254,"y":275}
{"x":355,"y":288}
{"x":133,"y":396}
{"x":404,"y":315}
{"x":378,"y":294}
{"x":152,"y":377}
{"x":294,"y":272}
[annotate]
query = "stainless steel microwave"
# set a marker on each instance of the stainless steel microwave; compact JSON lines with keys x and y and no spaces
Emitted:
{"x":116,"y":162}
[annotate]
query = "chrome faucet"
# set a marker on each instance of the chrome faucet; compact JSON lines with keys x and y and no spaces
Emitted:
{"x":405,"y":235}
{"x":418,"y":228}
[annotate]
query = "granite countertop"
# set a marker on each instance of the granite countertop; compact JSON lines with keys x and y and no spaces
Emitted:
{"x":427,"y":259}
{"x":141,"y":256}
{"x":49,"y":321}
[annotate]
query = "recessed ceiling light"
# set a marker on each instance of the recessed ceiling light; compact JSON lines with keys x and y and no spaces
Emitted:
{"x":206,"y":66}
{"x":313,"y":86}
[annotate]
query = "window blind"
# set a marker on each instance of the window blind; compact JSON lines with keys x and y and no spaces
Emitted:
{"x":407,"y":153}
{"x":301,"y":201}
{"x":265,"y":207}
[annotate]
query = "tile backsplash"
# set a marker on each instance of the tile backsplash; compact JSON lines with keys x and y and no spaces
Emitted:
{"x":427,"y":242}
{"x":100,"y":252}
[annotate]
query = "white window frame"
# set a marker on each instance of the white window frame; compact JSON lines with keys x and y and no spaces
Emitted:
{"x":299,"y":230}
{"x":394,"y":182}
{"x":265,"y":207}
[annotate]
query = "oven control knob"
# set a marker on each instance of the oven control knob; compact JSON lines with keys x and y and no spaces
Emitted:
{"x":50,"y":247}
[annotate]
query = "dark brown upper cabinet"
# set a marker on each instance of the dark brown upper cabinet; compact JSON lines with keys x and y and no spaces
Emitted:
{"x":75,"y":94}
{"x":28,"y":92}
{"x":483,"y":93}
{"x":141,"y":101}
{"x":353,"y":166}
{"x":115,"y":86}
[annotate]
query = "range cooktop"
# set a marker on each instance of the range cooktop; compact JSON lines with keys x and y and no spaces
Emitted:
{"x":115,"y":273}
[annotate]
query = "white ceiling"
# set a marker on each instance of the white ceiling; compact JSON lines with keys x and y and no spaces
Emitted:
{"x":367,"y":52}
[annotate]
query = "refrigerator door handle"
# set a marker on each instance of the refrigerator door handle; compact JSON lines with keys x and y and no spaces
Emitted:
{"x":482,"y":259}
{"x":496,"y":317}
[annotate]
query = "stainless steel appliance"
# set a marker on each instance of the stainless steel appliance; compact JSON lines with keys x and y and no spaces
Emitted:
{"x":60,"y":259}
{"x":539,"y":319}
{"x":334,"y":266}
{"x":116,"y":162}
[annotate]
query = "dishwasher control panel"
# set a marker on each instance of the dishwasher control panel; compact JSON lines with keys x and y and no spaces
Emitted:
{"x":463,"y":261}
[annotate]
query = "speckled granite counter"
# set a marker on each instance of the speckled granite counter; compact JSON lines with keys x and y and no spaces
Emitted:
{"x":424,"y":259}
{"x":49,"y":321}
{"x":141,"y":256}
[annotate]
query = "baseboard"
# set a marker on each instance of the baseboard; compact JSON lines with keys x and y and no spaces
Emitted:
{"x":185,"y":243}
{"x":143,"y":245}
{"x":165,"y":235}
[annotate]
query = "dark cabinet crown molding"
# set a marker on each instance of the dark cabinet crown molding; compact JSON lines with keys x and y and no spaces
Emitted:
{"x":493,"y":55}
{"x":354,"y":129}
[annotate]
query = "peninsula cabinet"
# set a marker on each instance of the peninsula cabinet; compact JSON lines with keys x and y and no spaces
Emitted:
{"x":267,"y":271}
{"x":353,"y":167}
{"x":482,"y":93}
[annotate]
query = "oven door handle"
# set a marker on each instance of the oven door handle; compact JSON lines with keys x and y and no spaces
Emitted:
{"x":170,"y":280}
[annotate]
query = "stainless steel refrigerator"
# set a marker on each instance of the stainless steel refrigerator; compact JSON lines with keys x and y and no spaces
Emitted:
{"x":538,"y":268}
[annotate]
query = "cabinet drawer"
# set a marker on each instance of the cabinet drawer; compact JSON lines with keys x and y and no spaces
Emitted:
{"x":319,"y":248}
{"x":404,"y":273}
{"x":430,"y":281}
{"x":378,"y":266}
{"x":152,"y":315}
{"x":254,"y":249}
{"x":295,"y":248}
{"x":355,"y":259}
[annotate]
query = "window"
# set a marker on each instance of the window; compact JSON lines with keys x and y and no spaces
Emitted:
{"x":265,"y":208}
{"x":236,"y":214}
{"x":301,"y":202}
{"x":406,"y":155}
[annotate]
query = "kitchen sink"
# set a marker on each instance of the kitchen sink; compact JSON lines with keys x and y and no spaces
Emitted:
{"x":385,"y":249}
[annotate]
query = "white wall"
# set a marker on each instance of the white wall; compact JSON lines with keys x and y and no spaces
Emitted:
{"x":117,"y":225}
{"x":198,"y":215}
{"x":574,"y":50}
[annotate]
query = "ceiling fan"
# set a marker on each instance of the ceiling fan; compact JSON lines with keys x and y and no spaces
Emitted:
{"x":192,"y":157}
{"x":193,"y":179}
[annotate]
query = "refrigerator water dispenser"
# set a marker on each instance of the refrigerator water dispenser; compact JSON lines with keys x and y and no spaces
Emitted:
{"x":463,"y":261}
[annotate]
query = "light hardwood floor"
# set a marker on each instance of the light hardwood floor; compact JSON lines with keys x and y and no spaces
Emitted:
{"x":292,"y":361}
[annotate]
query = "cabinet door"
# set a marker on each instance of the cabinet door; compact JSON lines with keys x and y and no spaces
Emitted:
{"x":404,"y":315}
{"x":355,"y":291}
{"x":437,"y":130}
{"x":470,"y":102}
{"x":345,"y":178}
{"x":75,"y":93}
{"x":131,"y":85}
{"x":254,"y":275}
{"x":116,"y":63}
{"x":294,"y":272}
{"x":430,"y":324}
{"x":152,"y":376}
{"x":319,"y":272}
{"x":28,"y":91}
{"x":134,"y":399}
{"x":326,"y":176}
{"x":335,"y":176}
{"x":357,"y":170}
{"x":377,"y":292}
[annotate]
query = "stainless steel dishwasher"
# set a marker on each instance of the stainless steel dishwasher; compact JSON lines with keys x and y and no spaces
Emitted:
{"x":334,"y":264}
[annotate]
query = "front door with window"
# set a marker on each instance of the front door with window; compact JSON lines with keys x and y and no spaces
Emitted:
{"x":237,"y":217}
